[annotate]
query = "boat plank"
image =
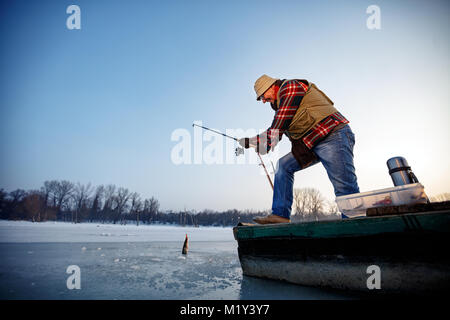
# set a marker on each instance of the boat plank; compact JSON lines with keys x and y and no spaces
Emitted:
{"x":419,"y":207}
{"x":424,"y":221}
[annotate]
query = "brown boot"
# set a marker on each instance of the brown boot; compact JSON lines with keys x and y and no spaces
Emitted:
{"x":271,"y":218}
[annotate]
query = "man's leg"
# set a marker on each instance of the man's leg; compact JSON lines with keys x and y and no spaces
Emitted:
{"x":336,"y":154}
{"x":283,"y":185}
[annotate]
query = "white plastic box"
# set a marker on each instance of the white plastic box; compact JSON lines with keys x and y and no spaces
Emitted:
{"x":355,"y":205}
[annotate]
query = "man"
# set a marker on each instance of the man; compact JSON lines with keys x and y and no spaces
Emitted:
{"x":318,"y":132}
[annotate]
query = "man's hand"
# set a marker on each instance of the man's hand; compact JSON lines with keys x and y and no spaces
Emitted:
{"x":245,"y":142}
{"x":262,"y":150}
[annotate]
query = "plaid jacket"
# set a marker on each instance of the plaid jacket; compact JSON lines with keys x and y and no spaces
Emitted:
{"x":291,"y":94}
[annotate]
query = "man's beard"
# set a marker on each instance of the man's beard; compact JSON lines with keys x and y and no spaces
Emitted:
{"x":274,"y":105}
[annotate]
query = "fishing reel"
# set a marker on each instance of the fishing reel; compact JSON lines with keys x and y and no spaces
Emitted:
{"x":238,"y":151}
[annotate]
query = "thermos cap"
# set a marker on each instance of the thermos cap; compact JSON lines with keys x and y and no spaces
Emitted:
{"x":397,"y":162}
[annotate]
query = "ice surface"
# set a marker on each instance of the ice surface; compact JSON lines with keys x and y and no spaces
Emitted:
{"x":24,"y":231}
{"x":131,"y":262}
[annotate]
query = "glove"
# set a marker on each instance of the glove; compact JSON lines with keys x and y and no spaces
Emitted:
{"x":262,"y":150}
{"x":245,"y":142}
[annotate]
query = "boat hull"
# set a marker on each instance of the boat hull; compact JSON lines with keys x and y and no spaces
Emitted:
{"x":341,"y":273}
{"x":410,"y":251}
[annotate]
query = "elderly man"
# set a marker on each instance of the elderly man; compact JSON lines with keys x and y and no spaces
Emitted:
{"x":318,"y":132}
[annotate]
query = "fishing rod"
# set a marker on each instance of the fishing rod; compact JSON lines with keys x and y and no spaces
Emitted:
{"x":218,"y":132}
{"x":267,"y":174}
{"x":238,"y":150}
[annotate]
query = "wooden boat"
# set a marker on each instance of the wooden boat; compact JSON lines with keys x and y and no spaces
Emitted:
{"x":410,"y":248}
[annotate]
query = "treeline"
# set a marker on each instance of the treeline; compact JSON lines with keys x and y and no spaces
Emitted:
{"x":310,"y":205}
{"x":66,"y":201}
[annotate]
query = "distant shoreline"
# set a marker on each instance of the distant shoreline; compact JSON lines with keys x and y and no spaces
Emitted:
{"x":4,"y":222}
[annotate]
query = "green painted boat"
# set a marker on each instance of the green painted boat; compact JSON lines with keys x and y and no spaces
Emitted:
{"x":410,"y":251}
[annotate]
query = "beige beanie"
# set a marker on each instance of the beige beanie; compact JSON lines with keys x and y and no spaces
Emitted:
{"x":262,"y":84}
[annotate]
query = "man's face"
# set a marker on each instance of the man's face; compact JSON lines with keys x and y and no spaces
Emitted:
{"x":270,"y":95}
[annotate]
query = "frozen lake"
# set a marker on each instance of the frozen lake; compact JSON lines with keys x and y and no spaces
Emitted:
{"x":131,"y":262}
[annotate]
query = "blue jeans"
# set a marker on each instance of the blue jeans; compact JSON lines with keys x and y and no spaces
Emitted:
{"x":336,"y":154}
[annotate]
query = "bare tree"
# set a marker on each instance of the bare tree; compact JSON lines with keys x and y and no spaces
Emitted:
{"x":96,"y":202}
{"x":3,"y":202}
{"x":15,"y":199}
{"x":316,"y":202}
{"x":80,"y":195}
{"x":333,"y":209}
{"x":17,"y":195}
{"x":63,"y":192}
{"x":121,"y":203}
{"x":136,"y":205}
{"x":50,"y":190}
{"x":154,"y":206}
{"x":33,"y":204}
{"x":109,"y":194}
{"x":308,"y":203}
{"x":301,"y":203}
{"x":151,"y":208}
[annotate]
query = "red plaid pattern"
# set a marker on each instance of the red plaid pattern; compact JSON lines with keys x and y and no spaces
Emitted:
{"x":323,"y":128}
{"x":291,"y":95}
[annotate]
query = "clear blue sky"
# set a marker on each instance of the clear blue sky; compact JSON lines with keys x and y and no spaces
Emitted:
{"x":99,"y":104}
